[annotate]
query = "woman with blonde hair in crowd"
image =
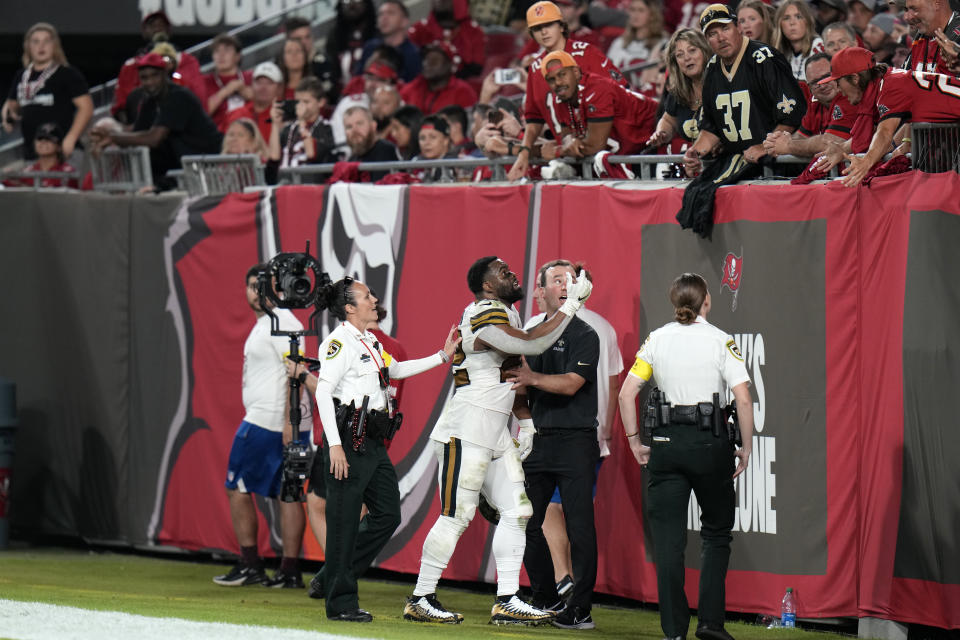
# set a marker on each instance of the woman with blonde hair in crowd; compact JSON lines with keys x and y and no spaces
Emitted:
{"x":795,"y":35}
{"x":243,"y":137}
{"x":47,"y":89}
{"x":642,"y":40}
{"x":687,"y":56}
{"x":755,"y":20}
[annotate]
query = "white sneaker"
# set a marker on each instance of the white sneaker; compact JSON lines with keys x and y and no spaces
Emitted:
{"x":513,"y":610}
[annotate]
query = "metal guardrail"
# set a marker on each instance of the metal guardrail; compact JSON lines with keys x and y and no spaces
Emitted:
{"x":36,"y":179}
{"x":935,"y":146}
{"x":206,"y":175}
{"x":647,"y":165}
{"x":126,"y":169}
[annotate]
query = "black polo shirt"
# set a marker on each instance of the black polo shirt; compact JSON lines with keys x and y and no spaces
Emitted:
{"x":576,"y":351}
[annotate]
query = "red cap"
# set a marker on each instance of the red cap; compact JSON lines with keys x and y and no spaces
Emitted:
{"x":849,"y":61}
{"x":381,"y":70}
{"x":155,"y":14}
{"x":151,"y":60}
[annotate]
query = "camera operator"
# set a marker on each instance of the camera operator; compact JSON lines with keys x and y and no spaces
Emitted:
{"x":353,"y":403}
{"x":256,"y":457}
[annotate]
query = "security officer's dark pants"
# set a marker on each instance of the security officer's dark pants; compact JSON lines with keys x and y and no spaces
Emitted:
{"x":564,"y":458}
{"x":691,"y":459}
{"x":351,"y":549}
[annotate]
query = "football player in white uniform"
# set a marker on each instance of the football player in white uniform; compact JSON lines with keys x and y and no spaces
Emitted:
{"x":473,"y":444}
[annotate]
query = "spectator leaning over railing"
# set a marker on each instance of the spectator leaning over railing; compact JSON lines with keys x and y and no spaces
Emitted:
{"x":794,"y":34}
{"x":748,"y":91}
{"x":829,"y":118}
{"x":155,"y":27}
{"x":228,"y":87}
{"x":404,"y":127}
{"x":364,"y":144}
{"x":449,"y":21}
{"x":755,"y":20}
{"x":393,"y":22}
{"x":307,"y":140}
{"x":267,"y":83}
{"x":49,"y":153}
{"x":687,"y":55}
{"x":47,"y":89}
{"x":172,"y":122}
{"x":545,"y":23}
{"x":437,"y":86}
{"x":936,"y":26}
{"x":901,"y":97}
{"x":328,"y":72}
{"x":595,"y":113}
{"x":838,"y":36}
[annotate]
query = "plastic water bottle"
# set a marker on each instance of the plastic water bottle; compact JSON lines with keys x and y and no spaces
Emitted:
{"x":788,"y":610}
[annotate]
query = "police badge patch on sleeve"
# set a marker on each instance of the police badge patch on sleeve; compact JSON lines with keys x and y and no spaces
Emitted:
{"x":732,"y":346}
{"x":333,"y":349}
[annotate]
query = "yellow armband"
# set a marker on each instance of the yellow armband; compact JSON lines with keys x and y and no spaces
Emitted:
{"x":642,"y":369}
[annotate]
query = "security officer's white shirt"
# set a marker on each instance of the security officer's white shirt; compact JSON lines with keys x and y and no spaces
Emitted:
{"x":350,"y":363}
{"x":609,"y":364}
{"x":265,"y":386}
{"x":690,"y":362}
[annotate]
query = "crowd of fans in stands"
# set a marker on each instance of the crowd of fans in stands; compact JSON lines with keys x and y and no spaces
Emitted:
{"x":571,"y":80}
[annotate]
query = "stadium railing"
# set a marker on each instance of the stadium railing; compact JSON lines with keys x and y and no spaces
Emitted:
{"x":645,"y":165}
{"x":126,"y":169}
{"x":219,"y":174}
{"x":37,"y":178}
{"x":935,"y":146}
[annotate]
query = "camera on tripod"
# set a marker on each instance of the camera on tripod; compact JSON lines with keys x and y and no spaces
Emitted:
{"x":293,"y":281}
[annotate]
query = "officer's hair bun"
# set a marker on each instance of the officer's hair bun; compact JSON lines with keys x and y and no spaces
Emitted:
{"x":685,"y":315}
{"x":335,"y":297}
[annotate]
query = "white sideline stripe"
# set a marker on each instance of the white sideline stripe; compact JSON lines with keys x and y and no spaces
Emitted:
{"x":38,"y":621}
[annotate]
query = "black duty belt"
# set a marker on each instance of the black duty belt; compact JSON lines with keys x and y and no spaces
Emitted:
{"x":553,"y":431}
{"x":692,"y":414}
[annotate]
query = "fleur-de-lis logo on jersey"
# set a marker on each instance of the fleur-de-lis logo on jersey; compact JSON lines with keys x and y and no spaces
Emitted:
{"x":786,"y":104}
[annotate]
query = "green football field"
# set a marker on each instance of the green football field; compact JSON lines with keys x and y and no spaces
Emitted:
{"x":174,"y":588}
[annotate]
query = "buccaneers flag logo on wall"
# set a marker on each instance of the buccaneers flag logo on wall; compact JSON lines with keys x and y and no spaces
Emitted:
{"x":732,"y":272}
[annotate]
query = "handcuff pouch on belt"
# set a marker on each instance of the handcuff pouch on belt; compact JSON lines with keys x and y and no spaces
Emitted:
{"x":732,"y":422}
{"x":356,"y":424}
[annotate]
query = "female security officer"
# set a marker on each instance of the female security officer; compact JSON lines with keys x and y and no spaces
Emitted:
{"x":358,"y":470}
{"x":691,"y":360}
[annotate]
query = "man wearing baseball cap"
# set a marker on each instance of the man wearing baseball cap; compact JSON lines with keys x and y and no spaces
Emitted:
{"x":437,"y":86}
{"x":172,"y":122}
{"x":593,"y":109}
{"x":449,"y":21}
{"x":895,"y":97}
{"x":748,"y":91}
{"x":155,"y":27}
{"x":267,"y":85}
{"x":546,"y":25}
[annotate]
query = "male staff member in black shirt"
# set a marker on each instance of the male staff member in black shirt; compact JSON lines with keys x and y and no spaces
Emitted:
{"x":171,"y":121}
{"x":562,"y":389}
{"x":748,"y":91}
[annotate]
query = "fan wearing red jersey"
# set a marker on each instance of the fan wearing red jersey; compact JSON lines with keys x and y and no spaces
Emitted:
{"x":595,"y":113}
{"x":902,"y":97}
{"x":547,"y":27}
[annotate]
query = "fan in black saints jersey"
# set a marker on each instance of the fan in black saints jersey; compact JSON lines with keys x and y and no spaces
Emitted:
{"x":748,"y":91}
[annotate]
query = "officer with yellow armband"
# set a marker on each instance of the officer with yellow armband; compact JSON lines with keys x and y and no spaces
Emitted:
{"x":691,"y":360}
